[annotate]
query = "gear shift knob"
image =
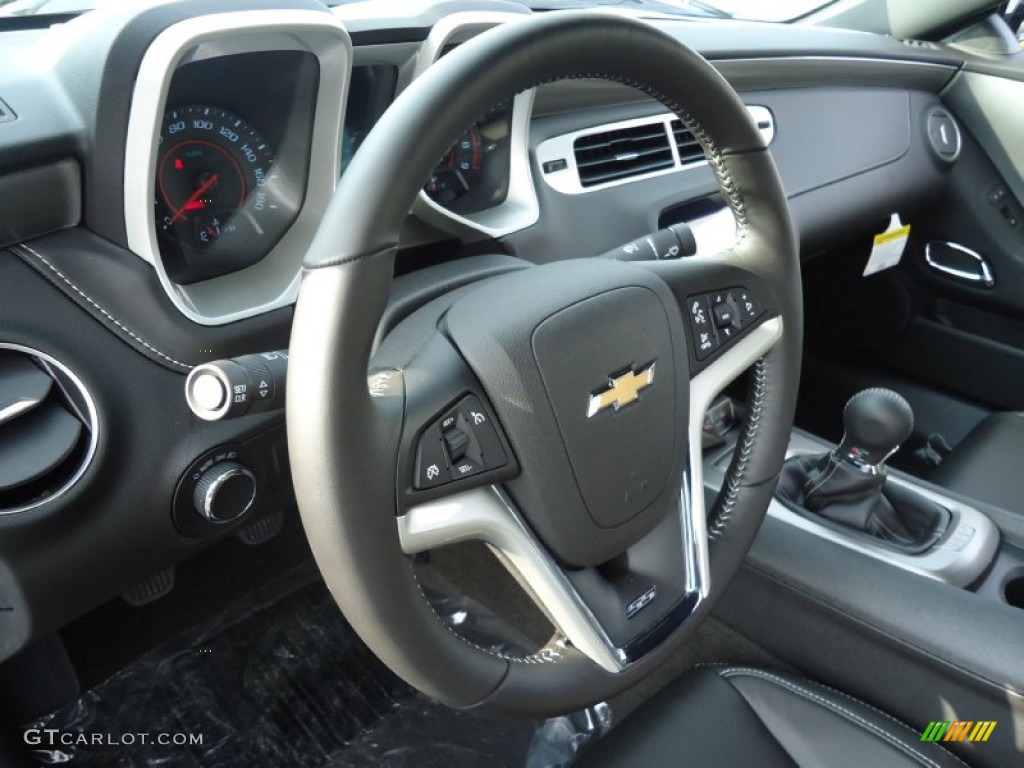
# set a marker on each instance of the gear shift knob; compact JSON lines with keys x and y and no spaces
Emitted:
{"x":876,"y":422}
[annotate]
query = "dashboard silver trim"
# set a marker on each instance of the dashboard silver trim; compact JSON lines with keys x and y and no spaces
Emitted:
{"x":94,"y":426}
{"x":458,"y":28}
{"x":520,"y":209}
{"x":486,"y":514}
{"x":704,"y":388}
{"x":272,"y":282}
{"x":567,"y":180}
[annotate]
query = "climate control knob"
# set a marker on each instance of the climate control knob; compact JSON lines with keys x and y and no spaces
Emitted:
{"x":225,"y":492}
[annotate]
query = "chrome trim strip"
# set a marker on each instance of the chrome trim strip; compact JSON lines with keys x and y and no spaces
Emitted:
{"x":272,"y":282}
{"x":486,"y":514}
{"x":983,"y":276}
{"x":94,"y":426}
{"x":567,"y":180}
{"x":15,"y":409}
{"x":704,"y":388}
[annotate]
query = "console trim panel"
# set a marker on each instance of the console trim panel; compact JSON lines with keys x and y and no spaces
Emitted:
{"x":949,"y":561}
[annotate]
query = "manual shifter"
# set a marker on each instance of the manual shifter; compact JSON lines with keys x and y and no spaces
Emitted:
{"x":848,"y":485}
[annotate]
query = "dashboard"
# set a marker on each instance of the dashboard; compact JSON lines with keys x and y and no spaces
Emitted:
{"x":167,"y":167}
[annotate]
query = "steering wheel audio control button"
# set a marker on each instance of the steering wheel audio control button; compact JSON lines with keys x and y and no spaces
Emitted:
{"x":724,"y":315}
{"x":716,"y":319}
{"x":431,"y":465}
{"x":748,"y":306}
{"x":477,"y":420}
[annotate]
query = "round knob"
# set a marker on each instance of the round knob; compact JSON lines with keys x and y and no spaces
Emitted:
{"x":225,"y":492}
{"x":876,"y":421}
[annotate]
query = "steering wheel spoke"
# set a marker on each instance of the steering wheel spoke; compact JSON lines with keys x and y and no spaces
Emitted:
{"x":613,"y":615}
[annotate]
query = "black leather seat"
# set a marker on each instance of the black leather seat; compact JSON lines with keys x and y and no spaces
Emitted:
{"x":739,"y":716}
{"x":986,"y":464}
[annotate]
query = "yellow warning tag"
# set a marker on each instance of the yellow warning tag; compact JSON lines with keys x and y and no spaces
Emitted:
{"x":888,"y":247}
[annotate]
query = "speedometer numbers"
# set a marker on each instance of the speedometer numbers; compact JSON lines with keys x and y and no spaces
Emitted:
{"x":460,"y":169}
{"x":219,"y":201}
{"x":473,"y":174}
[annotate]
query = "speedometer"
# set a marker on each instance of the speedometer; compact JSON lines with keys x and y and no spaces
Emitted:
{"x":218,"y":198}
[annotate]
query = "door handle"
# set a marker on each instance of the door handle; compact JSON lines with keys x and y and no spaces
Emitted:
{"x":959,"y":262}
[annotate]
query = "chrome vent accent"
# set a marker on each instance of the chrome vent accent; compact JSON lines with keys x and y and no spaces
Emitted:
{"x":47,"y":428}
{"x":619,"y":154}
{"x":690,"y":150}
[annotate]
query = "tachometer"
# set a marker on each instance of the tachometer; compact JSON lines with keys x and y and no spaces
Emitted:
{"x":474,"y":174}
{"x":218,"y":201}
{"x":459,"y":171}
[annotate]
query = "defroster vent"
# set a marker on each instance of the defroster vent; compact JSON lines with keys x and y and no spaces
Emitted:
{"x":621,"y":153}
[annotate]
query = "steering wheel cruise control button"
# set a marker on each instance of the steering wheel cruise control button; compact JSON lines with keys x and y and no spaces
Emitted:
{"x":465,"y":468}
{"x":460,"y":444}
{"x":491,"y":454}
{"x":457,"y":442}
{"x":431,"y":465}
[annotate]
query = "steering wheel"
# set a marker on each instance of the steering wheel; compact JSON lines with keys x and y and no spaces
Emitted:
{"x":554,"y":413}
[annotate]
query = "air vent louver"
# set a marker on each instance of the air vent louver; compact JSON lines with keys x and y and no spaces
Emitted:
{"x":690,"y":150}
{"x":619,"y":154}
{"x":47,"y":428}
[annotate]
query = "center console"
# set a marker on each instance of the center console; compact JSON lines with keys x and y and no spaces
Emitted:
{"x":846,"y":495}
{"x":907,"y":618}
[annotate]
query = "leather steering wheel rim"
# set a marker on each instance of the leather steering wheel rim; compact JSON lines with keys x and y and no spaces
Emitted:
{"x":344,"y":429}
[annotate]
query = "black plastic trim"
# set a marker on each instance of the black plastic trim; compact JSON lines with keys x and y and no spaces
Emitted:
{"x":40,"y":200}
{"x":656,"y":635}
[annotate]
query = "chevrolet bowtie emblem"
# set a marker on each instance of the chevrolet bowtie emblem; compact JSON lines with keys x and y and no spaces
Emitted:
{"x":622,"y":390}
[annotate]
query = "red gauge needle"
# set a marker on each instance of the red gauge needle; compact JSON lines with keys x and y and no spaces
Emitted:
{"x":190,"y":203}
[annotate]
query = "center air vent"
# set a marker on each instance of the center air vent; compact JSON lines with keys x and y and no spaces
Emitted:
{"x":619,"y":154}
{"x":47,"y":428}
{"x":689,"y":149}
